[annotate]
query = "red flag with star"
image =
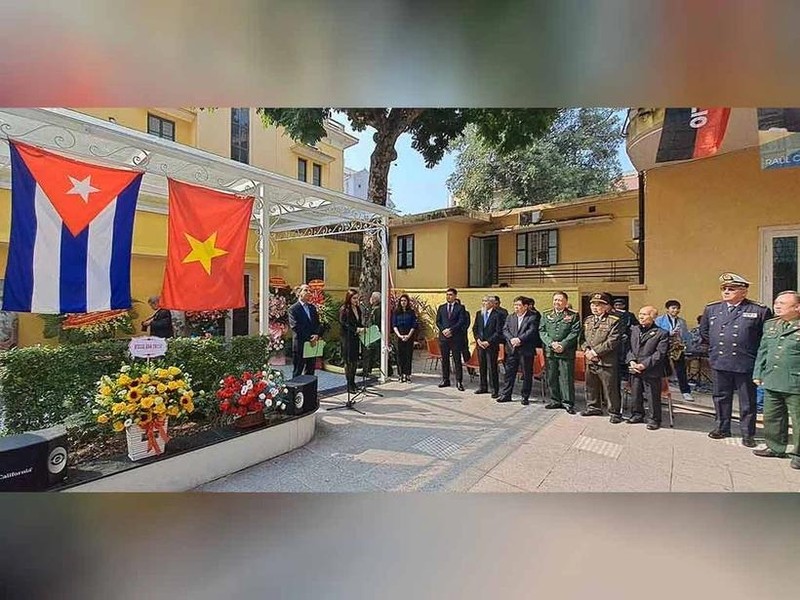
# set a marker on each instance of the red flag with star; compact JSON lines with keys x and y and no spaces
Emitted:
{"x":205,"y":249}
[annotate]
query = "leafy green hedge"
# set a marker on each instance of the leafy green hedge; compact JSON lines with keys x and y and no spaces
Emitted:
{"x":43,"y":386}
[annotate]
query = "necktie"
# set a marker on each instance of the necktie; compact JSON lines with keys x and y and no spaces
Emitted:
{"x":731,"y":308}
{"x":485,"y":318}
{"x":308,"y":311}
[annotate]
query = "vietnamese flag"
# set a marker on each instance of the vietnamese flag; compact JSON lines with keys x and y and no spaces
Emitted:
{"x":205,"y":249}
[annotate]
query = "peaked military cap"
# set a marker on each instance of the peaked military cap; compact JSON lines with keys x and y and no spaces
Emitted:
{"x":600,"y":298}
{"x":732,"y":279}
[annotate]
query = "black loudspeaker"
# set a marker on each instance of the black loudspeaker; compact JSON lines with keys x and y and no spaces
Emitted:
{"x":303,"y":397}
{"x":33,"y":461}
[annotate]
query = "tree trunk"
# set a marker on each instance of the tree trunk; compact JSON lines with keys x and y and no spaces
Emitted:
{"x":380,"y":162}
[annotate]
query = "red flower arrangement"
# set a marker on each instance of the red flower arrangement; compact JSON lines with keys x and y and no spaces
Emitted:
{"x":251,"y":393}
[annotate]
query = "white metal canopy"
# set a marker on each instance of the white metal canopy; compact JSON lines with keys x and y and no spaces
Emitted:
{"x":284,"y":208}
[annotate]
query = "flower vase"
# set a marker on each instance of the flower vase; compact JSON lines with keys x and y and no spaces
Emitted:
{"x":148,"y":440}
{"x":251,"y":419}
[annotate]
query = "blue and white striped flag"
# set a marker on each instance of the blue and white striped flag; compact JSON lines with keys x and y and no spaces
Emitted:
{"x":71,"y":234}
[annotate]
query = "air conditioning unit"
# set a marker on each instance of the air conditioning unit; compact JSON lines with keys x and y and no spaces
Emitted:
{"x":530,"y":217}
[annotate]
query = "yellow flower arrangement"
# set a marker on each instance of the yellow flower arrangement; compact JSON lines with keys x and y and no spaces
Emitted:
{"x":141,"y":394}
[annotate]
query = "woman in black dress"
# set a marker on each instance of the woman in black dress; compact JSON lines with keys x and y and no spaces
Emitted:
{"x":404,"y":323}
{"x":352,"y":325}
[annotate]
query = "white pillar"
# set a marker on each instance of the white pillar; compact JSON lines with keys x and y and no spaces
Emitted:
{"x":386,"y":326}
{"x":263,"y":263}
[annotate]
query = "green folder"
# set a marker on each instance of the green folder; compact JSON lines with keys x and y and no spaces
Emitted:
{"x":314,"y":351}
{"x":371,"y":335}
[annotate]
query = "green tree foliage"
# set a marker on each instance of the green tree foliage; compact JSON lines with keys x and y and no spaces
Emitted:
{"x":433,"y":131}
{"x":577,"y":157}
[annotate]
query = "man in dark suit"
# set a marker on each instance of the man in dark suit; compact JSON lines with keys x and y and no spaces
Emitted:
{"x":305,"y":325}
{"x":452,"y":320}
{"x":647,"y":359}
{"x":488,"y":333}
{"x":733,"y":328}
{"x":521,"y":334}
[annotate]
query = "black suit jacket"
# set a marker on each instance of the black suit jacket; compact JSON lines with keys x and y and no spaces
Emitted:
{"x":528,"y":333}
{"x":492,"y":332}
{"x":302,"y":327}
{"x":457,"y":323}
{"x":651,"y":350}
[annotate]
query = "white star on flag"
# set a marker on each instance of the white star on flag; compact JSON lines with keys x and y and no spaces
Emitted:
{"x":82,"y":188}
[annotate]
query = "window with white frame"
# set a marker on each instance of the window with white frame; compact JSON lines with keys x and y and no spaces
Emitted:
{"x":160,"y":127}
{"x":240,"y":134}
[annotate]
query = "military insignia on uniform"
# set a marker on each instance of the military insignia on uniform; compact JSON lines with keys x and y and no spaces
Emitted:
{"x":652,"y":333}
{"x":750,"y":315}
{"x":567,"y":319}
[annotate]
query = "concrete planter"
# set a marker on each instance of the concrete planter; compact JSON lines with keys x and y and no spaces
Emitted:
{"x":189,"y":469}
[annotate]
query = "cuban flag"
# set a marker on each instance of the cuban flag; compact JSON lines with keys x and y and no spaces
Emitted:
{"x":71,"y":234}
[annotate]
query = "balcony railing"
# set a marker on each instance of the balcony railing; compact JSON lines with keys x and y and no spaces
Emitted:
{"x":599,"y":270}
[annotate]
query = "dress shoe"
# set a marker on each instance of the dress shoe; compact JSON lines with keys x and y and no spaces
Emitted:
{"x":552,"y":405}
{"x":570,"y":409}
{"x":748,"y":442}
{"x":495,"y":396}
{"x":592,"y":412}
{"x":614,"y":419}
{"x":459,"y":387}
{"x":767,"y":453}
{"x":718,"y":435}
{"x":525,"y":402}
{"x":636,"y":419}
{"x":480,"y":391}
{"x":444,"y":384}
{"x":408,"y":378}
{"x":795,"y":464}
{"x":504,"y":399}
{"x":653,"y":425}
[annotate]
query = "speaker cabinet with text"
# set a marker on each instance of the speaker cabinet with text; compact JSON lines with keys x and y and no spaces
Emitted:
{"x":33,"y":461}
{"x":303,"y":397}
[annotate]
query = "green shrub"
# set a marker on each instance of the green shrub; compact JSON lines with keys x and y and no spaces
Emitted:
{"x":44,"y":386}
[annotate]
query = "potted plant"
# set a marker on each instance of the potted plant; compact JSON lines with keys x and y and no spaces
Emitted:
{"x":245,"y":398}
{"x":140,"y":399}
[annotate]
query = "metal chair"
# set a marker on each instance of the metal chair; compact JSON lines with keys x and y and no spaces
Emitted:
{"x":434,"y":353}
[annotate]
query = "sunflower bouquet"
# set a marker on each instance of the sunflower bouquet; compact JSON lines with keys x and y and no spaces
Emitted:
{"x":140,"y":399}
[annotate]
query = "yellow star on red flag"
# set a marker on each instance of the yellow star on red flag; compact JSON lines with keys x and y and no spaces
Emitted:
{"x":203,"y":252}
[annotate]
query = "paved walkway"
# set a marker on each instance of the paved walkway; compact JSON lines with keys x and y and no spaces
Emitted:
{"x":422,"y":438}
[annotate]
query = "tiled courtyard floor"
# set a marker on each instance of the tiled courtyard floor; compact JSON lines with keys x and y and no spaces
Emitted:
{"x":418,"y":437}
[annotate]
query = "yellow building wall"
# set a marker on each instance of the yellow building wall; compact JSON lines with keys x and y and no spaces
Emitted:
{"x":292,"y":253}
{"x":590,"y":242}
{"x":704,"y":218}
{"x":136,"y":118}
{"x":432,"y":249}
{"x":269,"y":148}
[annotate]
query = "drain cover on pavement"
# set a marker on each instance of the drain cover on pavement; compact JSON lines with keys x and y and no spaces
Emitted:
{"x":601,"y":447}
{"x":437,"y":447}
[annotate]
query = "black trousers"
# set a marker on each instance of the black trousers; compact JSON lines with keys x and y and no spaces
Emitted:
{"x":405,"y":351}
{"x":487,"y":360}
{"x":649,"y":387}
{"x":299,"y":364}
{"x":725,"y":382}
{"x":679,"y":367}
{"x":449,"y":348}
{"x":512,"y":364}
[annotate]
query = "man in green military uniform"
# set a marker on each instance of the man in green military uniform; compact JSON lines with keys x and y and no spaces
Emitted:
{"x":777,"y":369}
{"x":560,"y":330}
{"x":603,"y":334}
